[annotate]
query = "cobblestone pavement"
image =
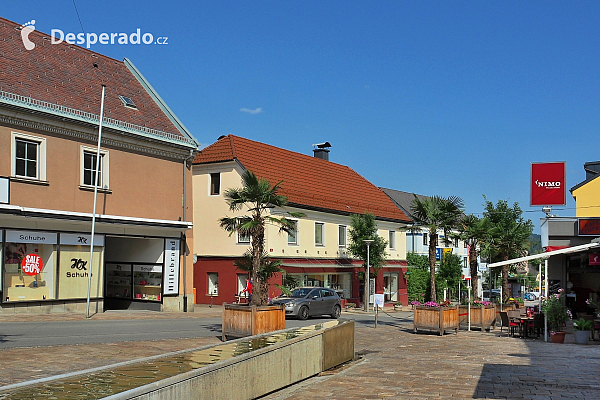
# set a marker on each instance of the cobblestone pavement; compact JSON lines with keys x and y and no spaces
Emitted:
{"x":398,"y":364}
{"x":394,"y":363}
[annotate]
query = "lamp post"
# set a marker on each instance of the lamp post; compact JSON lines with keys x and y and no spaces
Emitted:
{"x":368,"y":276}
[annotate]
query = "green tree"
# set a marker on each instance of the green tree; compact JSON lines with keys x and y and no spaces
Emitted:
{"x":509,"y":235}
{"x":259,"y":197}
{"x":434,"y":214}
{"x":473,"y":231}
{"x":364,"y":227}
{"x":450,"y":270}
{"x":417,"y":260}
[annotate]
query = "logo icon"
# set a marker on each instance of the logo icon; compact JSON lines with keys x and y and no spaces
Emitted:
{"x":26,"y":29}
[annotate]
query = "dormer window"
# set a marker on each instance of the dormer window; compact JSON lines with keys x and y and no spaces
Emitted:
{"x":128,"y":102}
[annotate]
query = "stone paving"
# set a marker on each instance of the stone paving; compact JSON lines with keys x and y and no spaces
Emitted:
{"x":394,"y":363}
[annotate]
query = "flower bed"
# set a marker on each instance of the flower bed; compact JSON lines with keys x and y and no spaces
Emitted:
{"x":434,"y":318}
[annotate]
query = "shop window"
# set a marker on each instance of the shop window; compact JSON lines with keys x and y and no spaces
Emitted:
{"x":392,"y":240}
{"x":29,"y":266}
{"x":341,"y":283}
{"x":118,"y":280}
{"x":74,"y":266}
{"x":88,"y":168}
{"x":213,"y":284}
{"x":293,"y":234}
{"x":342,"y":238}
{"x":319,"y":227}
{"x":28,"y":154}
{"x":215,"y":183}
{"x":147,"y":282}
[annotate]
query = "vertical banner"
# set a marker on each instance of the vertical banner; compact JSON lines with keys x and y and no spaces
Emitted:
{"x":171,"y":266}
{"x":548,"y":184}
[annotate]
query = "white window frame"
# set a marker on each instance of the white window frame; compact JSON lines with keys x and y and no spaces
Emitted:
{"x":41,"y":154}
{"x":212,"y":285}
{"x":345,"y":236}
{"x":210,"y":184}
{"x":322,"y":224}
{"x":240,"y":239}
{"x":392,"y":240}
{"x":295,"y":242}
{"x":104,"y":167}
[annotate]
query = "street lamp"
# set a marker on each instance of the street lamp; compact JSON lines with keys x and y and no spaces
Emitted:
{"x":367,"y":278}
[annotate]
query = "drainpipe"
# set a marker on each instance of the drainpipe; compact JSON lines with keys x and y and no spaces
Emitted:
{"x":185,"y":162}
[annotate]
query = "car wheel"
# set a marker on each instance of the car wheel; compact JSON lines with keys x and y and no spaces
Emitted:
{"x":303,"y":313}
{"x":335,"y":314}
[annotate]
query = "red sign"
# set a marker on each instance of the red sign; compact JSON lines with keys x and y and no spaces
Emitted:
{"x":589,"y":226}
{"x":548,"y":184}
{"x":32,"y":264}
{"x":594,"y":259}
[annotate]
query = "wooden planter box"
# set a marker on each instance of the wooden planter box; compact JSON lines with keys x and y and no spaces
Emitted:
{"x":436,"y":318}
{"x":481,"y":317}
{"x":243,"y":320}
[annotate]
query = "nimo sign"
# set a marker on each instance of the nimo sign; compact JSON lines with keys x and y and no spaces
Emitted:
{"x":548,"y":184}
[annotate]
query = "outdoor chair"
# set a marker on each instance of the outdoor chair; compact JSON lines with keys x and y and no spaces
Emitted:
{"x":538,"y":323}
{"x":508,"y":323}
{"x":514,"y":318}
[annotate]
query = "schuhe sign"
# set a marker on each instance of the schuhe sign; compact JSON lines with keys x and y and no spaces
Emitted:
{"x":548,"y":184}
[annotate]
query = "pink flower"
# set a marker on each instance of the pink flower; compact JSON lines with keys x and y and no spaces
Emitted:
{"x":560,"y":290}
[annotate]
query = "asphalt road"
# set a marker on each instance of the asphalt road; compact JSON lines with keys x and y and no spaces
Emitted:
{"x":54,"y":333}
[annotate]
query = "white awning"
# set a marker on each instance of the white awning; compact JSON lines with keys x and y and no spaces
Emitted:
{"x":542,"y":256}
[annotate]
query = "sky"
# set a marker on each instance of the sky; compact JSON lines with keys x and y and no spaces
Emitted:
{"x":436,"y":98}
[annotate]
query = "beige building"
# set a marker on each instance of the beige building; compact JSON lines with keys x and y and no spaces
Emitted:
{"x":316,"y":255}
{"x":50,"y":99}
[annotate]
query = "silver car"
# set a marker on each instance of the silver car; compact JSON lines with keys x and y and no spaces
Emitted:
{"x":310,"y":301}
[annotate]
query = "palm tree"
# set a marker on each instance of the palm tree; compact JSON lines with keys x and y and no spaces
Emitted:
{"x":436,"y":213}
{"x":473,"y":231}
{"x":259,"y":197}
{"x":509,"y":235}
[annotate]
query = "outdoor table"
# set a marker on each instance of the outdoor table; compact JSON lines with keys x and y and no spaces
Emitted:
{"x":524,"y":320}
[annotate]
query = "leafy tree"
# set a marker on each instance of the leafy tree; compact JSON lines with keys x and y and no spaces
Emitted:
{"x":364,"y":227}
{"x":509,"y":235}
{"x":417,"y":260}
{"x":436,"y":213}
{"x":258,"y":196}
{"x":473,"y":231}
{"x":450,"y":270}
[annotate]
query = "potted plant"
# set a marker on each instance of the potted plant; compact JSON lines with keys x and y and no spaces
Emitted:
{"x":483,"y":314}
{"x":398,"y":305}
{"x":350,"y":306}
{"x":557,"y":314}
{"x":582,"y":330}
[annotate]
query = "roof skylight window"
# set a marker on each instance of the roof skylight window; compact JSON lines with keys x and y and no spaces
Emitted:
{"x":128,"y":102}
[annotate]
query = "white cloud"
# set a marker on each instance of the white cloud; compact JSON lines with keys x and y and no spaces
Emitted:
{"x":249,"y":111}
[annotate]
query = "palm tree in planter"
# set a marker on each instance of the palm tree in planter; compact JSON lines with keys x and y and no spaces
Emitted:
{"x":434,"y":214}
{"x":259,"y":197}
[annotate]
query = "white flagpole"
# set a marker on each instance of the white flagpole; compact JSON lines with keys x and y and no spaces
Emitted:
{"x":95,"y":201}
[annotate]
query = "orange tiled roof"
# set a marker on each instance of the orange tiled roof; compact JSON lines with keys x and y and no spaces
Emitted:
{"x":308,"y":181}
{"x":64,"y":74}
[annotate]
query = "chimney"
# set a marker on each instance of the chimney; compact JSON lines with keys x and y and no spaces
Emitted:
{"x":321,"y":150}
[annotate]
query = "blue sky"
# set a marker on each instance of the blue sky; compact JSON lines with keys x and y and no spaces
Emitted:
{"x":447,"y":98}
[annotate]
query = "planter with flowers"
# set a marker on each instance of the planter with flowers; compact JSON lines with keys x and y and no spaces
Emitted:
{"x":483,"y":315}
{"x":436,"y":317}
{"x":398,"y":306}
{"x":557,"y":314}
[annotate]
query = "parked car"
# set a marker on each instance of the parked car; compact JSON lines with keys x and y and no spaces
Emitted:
{"x":311,"y":301}
{"x":531,"y":296}
{"x":495,"y":294}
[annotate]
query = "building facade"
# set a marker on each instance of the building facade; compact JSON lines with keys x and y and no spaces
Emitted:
{"x":578,"y":273}
{"x":50,"y":101}
{"x":317,"y":255}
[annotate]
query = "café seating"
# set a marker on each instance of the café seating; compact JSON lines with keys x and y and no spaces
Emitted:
{"x":514,"y":318}
{"x":506,"y":321}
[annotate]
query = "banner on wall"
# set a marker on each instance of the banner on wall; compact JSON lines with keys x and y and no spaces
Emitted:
{"x":548,"y":184}
{"x":171,"y":266}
